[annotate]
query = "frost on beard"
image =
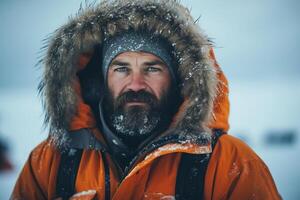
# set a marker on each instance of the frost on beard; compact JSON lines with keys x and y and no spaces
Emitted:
{"x":135,"y":124}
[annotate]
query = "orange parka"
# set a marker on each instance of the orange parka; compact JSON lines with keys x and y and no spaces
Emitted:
{"x":234,"y":171}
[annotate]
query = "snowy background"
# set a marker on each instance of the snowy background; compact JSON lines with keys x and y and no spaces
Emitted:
{"x":257,"y":45}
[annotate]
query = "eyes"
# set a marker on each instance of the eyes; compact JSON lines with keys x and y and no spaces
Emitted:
{"x":147,"y":69}
{"x":121,"y":69}
{"x":153,"y":69}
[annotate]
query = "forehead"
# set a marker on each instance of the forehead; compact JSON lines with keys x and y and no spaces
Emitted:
{"x":142,"y":56}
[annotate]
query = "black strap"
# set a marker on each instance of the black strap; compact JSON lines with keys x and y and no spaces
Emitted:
{"x":67,"y":171}
{"x":70,"y":160}
{"x":190,"y":177}
{"x":191,"y":173}
{"x":107,"y":178}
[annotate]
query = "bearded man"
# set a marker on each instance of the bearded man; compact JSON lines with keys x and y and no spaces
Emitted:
{"x":138,"y":109}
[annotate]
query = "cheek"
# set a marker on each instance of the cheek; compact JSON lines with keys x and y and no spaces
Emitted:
{"x":160,"y":86}
{"x":114,"y":87}
{"x":116,"y":83}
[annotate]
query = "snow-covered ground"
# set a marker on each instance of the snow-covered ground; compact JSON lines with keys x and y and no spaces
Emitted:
{"x":256,"y":107}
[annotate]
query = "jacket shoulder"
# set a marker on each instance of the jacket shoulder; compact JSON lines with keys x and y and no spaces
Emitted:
{"x":38,"y":175}
{"x":235,"y":171}
{"x":46,"y":149}
{"x":232,"y":146}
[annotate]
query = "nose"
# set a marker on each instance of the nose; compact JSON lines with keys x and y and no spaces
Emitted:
{"x":137,"y":82}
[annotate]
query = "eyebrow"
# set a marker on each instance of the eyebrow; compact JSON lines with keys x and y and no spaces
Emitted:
{"x":119,"y":63}
{"x":149,"y":63}
{"x":155,"y":62}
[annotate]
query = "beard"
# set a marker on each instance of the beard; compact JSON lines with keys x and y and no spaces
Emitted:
{"x":134,"y":123}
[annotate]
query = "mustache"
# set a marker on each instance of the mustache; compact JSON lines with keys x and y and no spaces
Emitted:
{"x":139,"y":96}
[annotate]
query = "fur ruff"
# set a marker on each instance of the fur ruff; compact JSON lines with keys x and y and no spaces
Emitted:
{"x":93,"y":24}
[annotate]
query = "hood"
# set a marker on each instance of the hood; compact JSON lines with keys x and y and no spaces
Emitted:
{"x":70,"y":48}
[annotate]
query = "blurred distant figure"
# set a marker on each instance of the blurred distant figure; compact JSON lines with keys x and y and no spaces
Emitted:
{"x":284,"y":137}
{"x":5,"y":164}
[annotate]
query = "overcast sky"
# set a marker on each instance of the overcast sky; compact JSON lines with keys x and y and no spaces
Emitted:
{"x":254,"y":40}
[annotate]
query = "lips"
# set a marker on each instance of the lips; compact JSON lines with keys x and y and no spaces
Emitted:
{"x":136,"y":102}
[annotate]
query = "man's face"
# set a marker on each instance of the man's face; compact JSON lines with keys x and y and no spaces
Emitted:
{"x":139,"y":85}
{"x":136,"y":71}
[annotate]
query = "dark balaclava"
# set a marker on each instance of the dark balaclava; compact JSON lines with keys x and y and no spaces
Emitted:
{"x":137,"y":124}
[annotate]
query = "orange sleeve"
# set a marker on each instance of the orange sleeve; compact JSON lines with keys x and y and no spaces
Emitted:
{"x":254,"y":182}
{"x":235,"y":171}
{"x":38,"y":176}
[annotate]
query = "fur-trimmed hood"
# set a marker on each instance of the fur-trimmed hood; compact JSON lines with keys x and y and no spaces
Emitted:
{"x":72,"y":44}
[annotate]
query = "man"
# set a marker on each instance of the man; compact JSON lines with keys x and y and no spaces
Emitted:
{"x":138,"y":109}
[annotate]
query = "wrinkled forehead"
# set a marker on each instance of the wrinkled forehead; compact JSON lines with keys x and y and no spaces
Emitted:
{"x":138,"y":57}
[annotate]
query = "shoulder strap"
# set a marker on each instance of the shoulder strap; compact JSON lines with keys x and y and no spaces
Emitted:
{"x":67,"y":172}
{"x":70,"y":160}
{"x":191,"y":173}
